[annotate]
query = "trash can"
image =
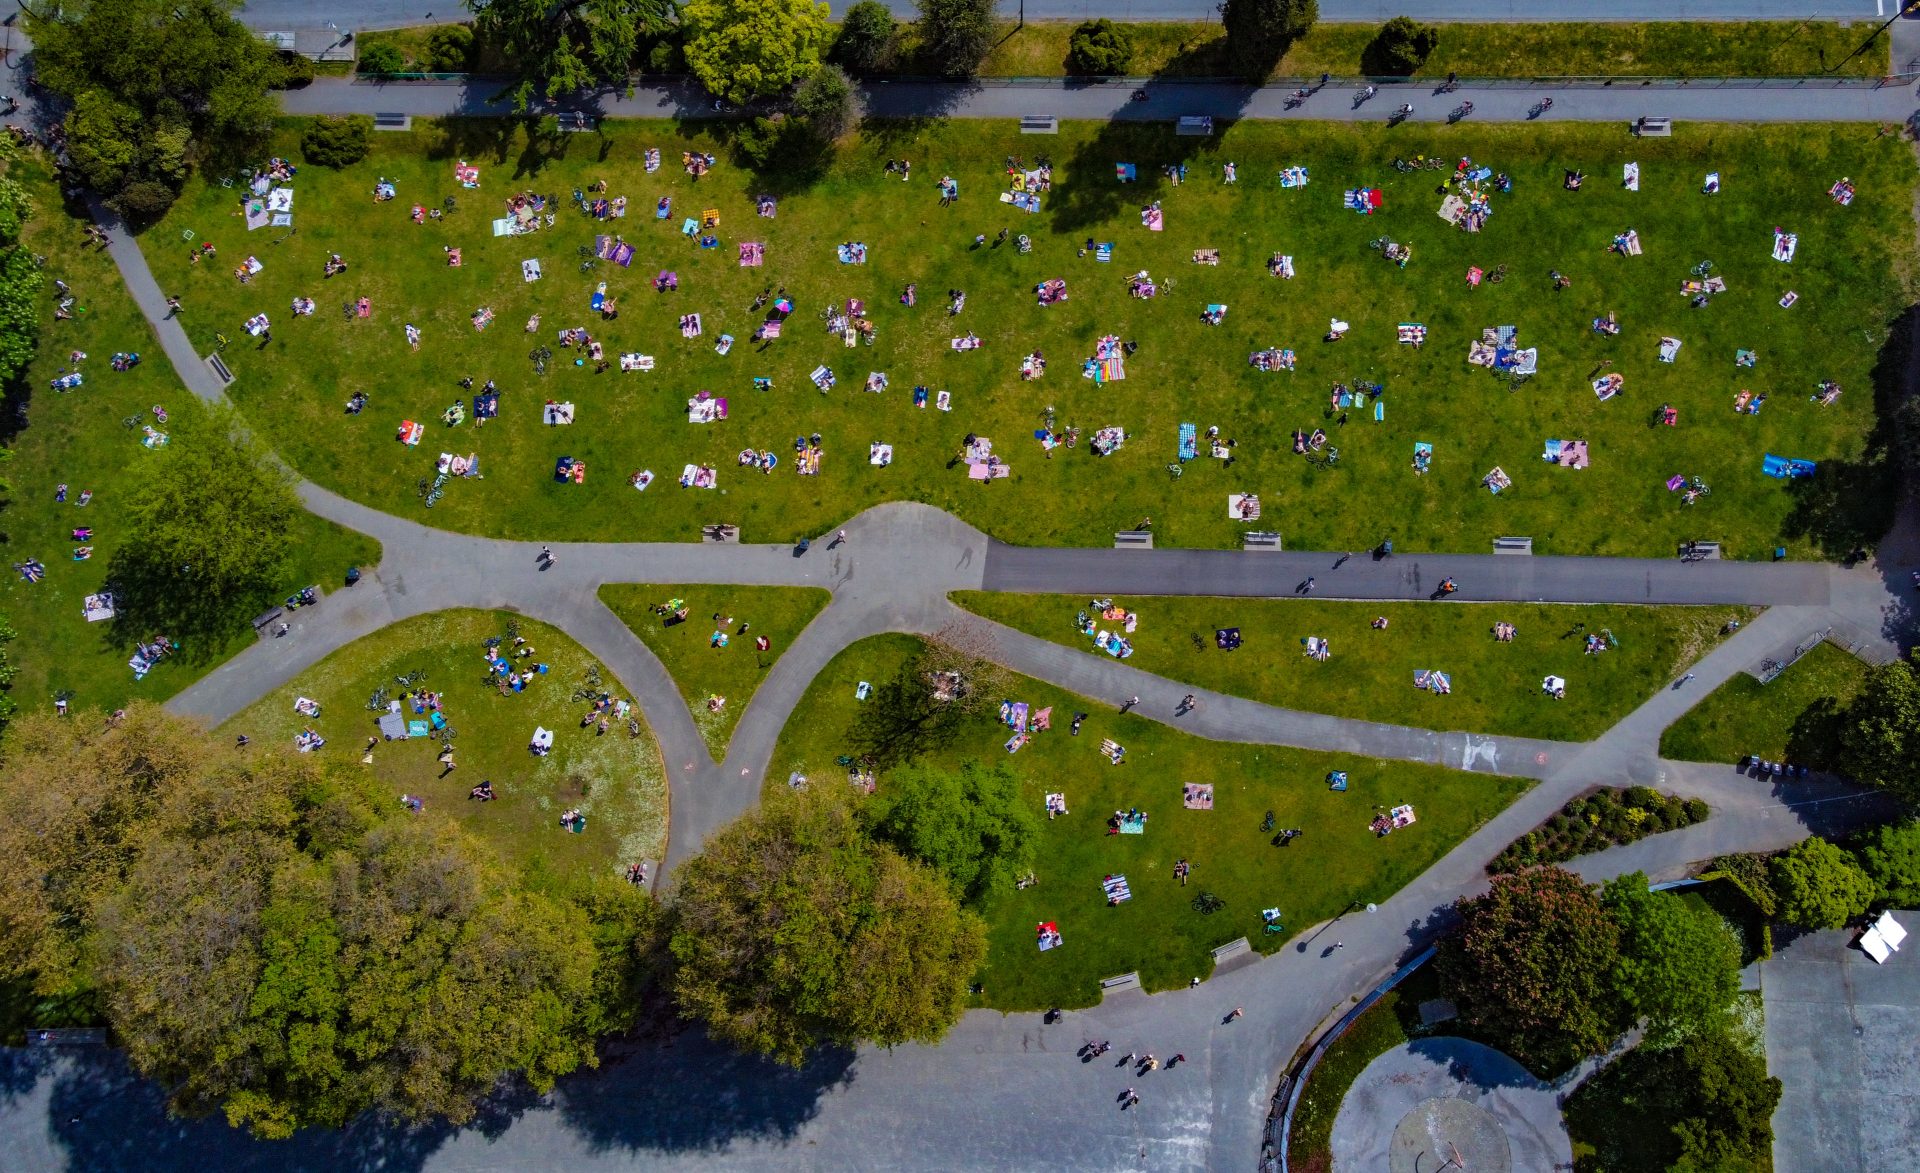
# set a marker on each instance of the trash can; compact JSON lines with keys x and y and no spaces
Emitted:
{"x":1779,"y":553}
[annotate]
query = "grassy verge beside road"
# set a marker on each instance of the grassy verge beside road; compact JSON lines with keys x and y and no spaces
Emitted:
{"x":1794,"y":718}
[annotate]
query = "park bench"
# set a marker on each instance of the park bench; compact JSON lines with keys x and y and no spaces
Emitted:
{"x":1124,"y":981}
{"x":268,"y":617}
{"x":1260,"y":539}
{"x":575,"y":121}
{"x":720,"y":533}
{"x":1513,"y":545}
{"x":393,"y":122}
{"x":1654,"y":128}
{"x":1133,"y":539}
{"x":1039,"y":124}
{"x":218,"y":366}
{"x":1194,"y":125}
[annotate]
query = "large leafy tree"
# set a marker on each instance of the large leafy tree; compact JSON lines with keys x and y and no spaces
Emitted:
{"x":291,"y":957}
{"x":212,"y":512}
{"x":1883,"y":730}
{"x":1891,"y":857}
{"x":566,"y":45}
{"x":970,"y":824}
{"x":1679,"y":969}
{"x":793,"y":929}
{"x":865,"y":44}
{"x":956,"y":35}
{"x":1259,"y":32}
{"x":746,"y":49}
{"x":1817,"y":885}
{"x":1724,"y":1099}
{"x":154,"y":83}
{"x":1532,"y":966}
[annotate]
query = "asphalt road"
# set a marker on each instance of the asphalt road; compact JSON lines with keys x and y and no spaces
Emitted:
{"x":381,"y":14}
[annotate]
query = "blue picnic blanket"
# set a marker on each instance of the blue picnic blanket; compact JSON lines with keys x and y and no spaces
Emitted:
{"x":1189,"y":442}
{"x":1782,"y":467}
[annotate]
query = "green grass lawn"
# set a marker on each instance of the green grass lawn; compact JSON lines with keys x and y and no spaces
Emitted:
{"x":77,"y":437}
{"x":1158,"y":933}
{"x":1184,"y":371}
{"x":703,"y":670}
{"x":1796,"y":717}
{"x":615,"y":779}
{"x":1496,"y":684}
{"x":1672,"y":49}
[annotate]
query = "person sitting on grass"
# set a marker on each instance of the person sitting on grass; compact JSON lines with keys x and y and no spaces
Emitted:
{"x":483,"y":792}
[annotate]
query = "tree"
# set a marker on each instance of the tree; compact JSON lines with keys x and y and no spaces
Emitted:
{"x":825,"y":100}
{"x":337,"y":142}
{"x":1531,"y":965}
{"x":792,"y":929}
{"x":971,"y":824}
{"x":1882,"y":730}
{"x":949,"y":682}
{"x":1890,"y":855}
{"x":865,"y":45}
{"x":1724,"y":1099}
{"x":450,"y":49}
{"x":741,"y":50}
{"x":20,"y":281}
{"x":1818,"y":886}
{"x":956,"y":35}
{"x":1400,"y":48}
{"x":1099,"y":47}
{"x":212,"y":512}
{"x":1259,"y":32}
{"x":382,"y":57}
{"x":74,"y":798}
{"x":568,"y":46}
{"x":1678,"y":969}
{"x":402,"y":972}
{"x":153,"y":84}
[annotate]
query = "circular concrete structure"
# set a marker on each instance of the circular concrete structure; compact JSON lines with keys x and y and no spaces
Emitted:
{"x":1449,"y":1134}
{"x":1445,"y":1104}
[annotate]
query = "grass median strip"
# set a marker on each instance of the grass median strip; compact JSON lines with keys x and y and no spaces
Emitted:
{"x":1495,"y":684}
{"x":710,"y":641}
{"x":1231,"y":847}
{"x":1795,"y":717}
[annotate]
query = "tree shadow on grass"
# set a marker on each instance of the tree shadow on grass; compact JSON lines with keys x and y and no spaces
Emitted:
{"x":1091,"y":193}
{"x":1816,"y":737}
{"x":472,"y":138}
{"x":1850,"y":504}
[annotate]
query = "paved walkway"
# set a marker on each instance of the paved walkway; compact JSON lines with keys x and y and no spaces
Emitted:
{"x":1001,"y":1091}
{"x":1426,"y":1101}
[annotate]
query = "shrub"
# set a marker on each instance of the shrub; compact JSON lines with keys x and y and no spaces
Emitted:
{"x":1606,"y":818}
{"x":337,"y":142}
{"x":1100,"y":47}
{"x":666,"y":57}
{"x":1401,"y":47}
{"x":956,"y":35}
{"x":866,"y":41}
{"x":144,"y":201}
{"x":295,"y":71}
{"x":450,"y":49}
{"x":825,"y":100}
{"x":382,"y":57}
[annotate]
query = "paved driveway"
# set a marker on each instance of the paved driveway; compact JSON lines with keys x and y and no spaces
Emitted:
{"x":1841,"y":1036}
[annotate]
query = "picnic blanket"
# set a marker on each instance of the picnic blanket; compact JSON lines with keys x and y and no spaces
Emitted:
{"x":1497,"y":480}
{"x":617,"y":251}
{"x":1364,"y":200}
{"x":1452,"y":209}
{"x":1842,"y":193}
{"x":1422,"y":456}
{"x":1411,"y":333}
{"x":1566,"y":453}
{"x":1438,"y":683}
{"x":1113,"y":645}
{"x":1189,"y":442}
{"x":1281,"y":266}
{"x":634,"y":361}
{"x":1116,"y":889}
{"x":1784,"y":244}
{"x":1630,"y":176}
{"x":1153,"y":218}
{"x":1026,"y":201}
{"x":1292,"y":177}
{"x":852,"y":253}
{"x":1133,"y":824}
{"x":1608,"y":386}
{"x":97,"y":607}
{"x":1125,"y":172}
{"x":1243,"y":507}
{"x":1627,"y":243}
{"x":1782,"y":467}
{"x":1669,"y":349}
{"x":752,"y":253}
{"x":557,"y":413}
{"x":1197,"y":796}
{"x":705,"y":409}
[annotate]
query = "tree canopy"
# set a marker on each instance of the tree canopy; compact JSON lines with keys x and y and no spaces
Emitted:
{"x":970,"y":824}
{"x":1259,"y":32}
{"x":865,"y":43}
{"x":570,"y":45}
{"x":1099,"y":47}
{"x":154,"y":84}
{"x":741,"y":50}
{"x":1882,"y":730}
{"x":1532,"y":965}
{"x":1890,"y":855}
{"x":1725,"y":1099}
{"x":1678,"y":968}
{"x":1400,"y":47}
{"x":792,"y":929}
{"x":212,"y":511}
{"x":19,"y":279}
{"x":956,"y":35}
{"x":1817,"y":885}
{"x":825,"y":100}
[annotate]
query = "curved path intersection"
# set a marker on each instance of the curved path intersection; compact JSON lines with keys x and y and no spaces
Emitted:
{"x":1001,"y":1091}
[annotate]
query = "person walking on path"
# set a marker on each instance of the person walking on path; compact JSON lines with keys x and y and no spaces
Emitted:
{"x":1339,"y":944}
{"x":1342,"y":560}
{"x":840,"y":539}
{"x":1129,"y":703}
{"x":1238,"y":1011}
{"x":1186,"y":704}
{"x":173,"y":307}
{"x":545,"y":555}
{"x":1306,"y":588}
{"x":1181,"y":1057}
